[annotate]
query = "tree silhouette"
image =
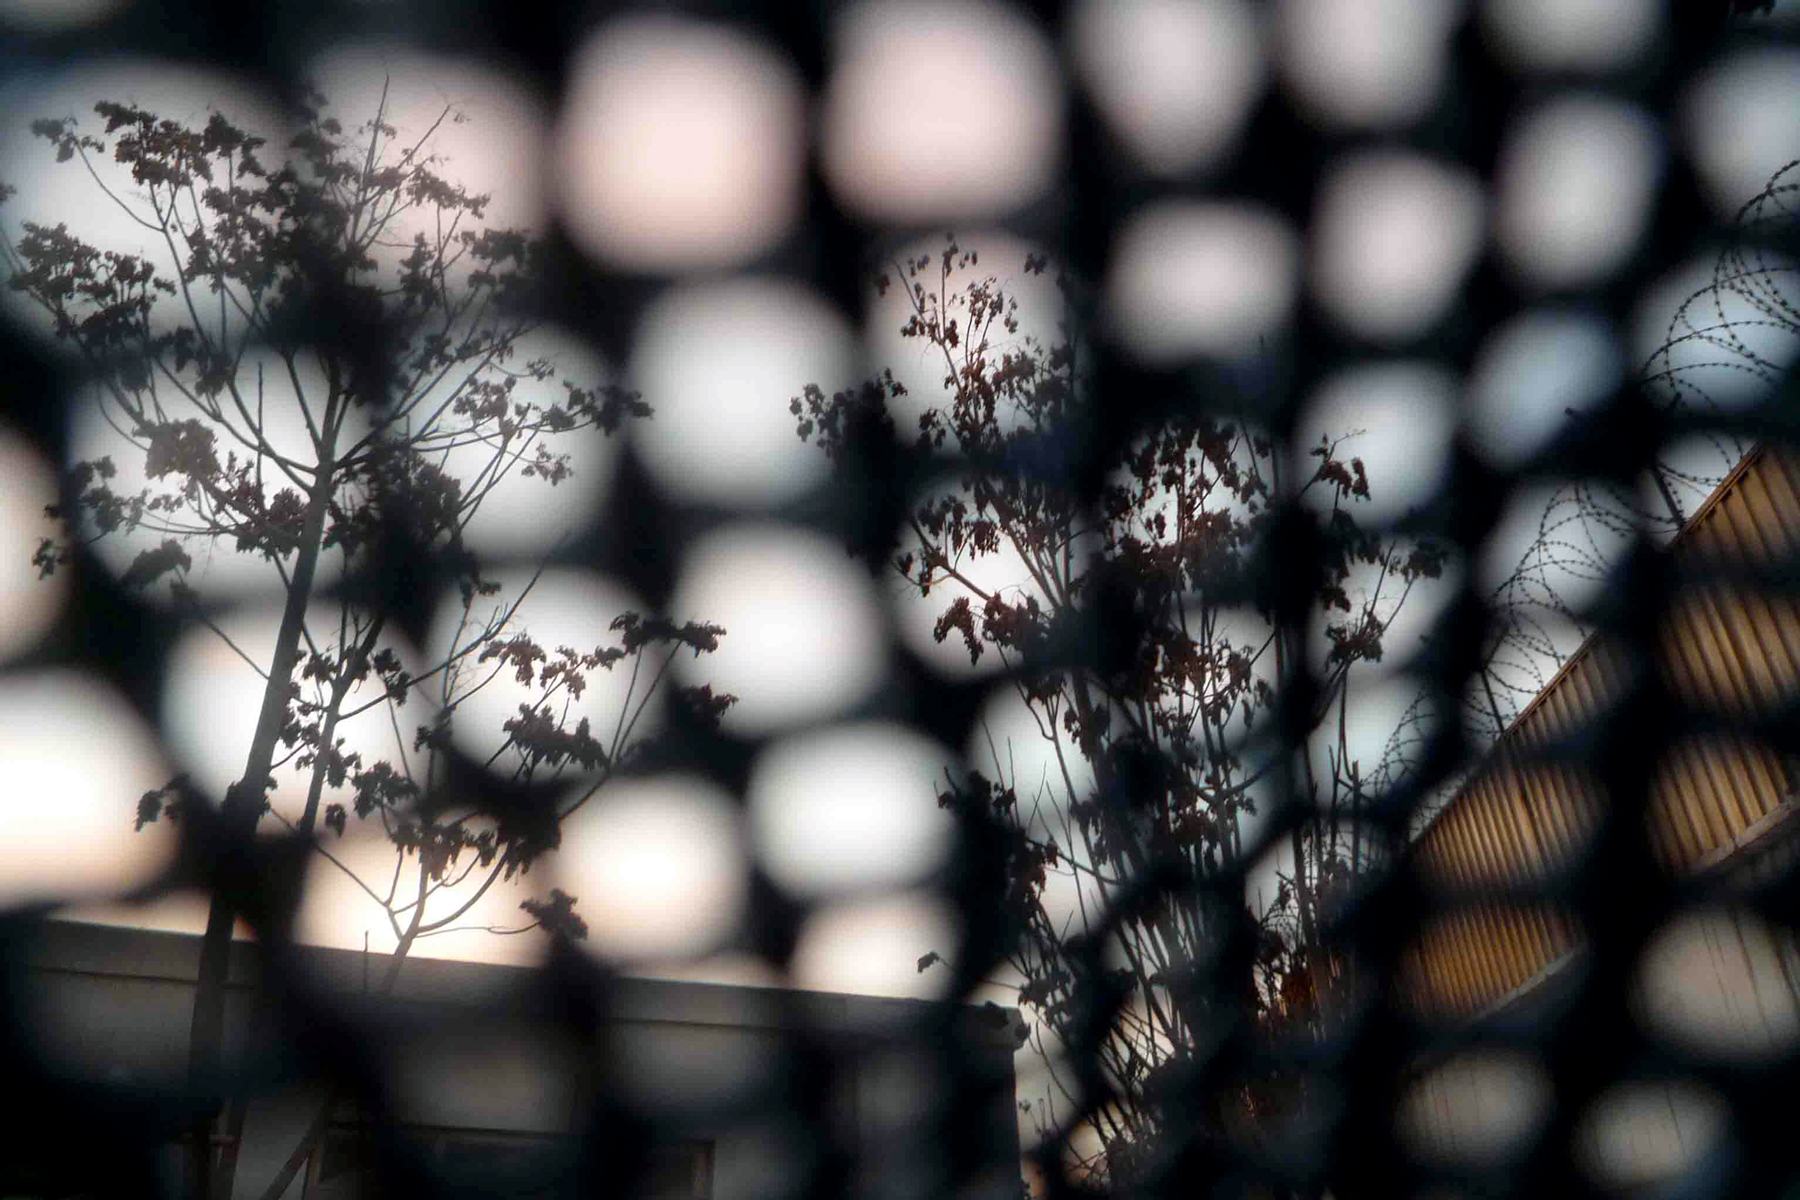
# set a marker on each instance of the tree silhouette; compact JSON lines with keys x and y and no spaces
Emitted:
{"x":1121,"y":860}
{"x":247,"y":430}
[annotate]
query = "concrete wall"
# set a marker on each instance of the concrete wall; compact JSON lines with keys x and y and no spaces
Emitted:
{"x":463,"y":1050}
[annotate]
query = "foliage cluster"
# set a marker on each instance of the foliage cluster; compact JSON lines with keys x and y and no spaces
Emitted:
{"x":243,"y":425}
{"x":1122,"y":856}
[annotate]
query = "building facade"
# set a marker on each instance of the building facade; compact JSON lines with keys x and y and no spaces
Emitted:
{"x":1720,"y":816}
{"x":720,"y":1092}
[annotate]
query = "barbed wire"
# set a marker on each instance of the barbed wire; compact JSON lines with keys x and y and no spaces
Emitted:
{"x":1335,"y":1087}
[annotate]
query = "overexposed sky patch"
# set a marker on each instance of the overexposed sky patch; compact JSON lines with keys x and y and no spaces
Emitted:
{"x":1577,"y":178}
{"x":920,"y":366}
{"x":1200,"y":278}
{"x":679,"y":145}
{"x":939,"y":110}
{"x":1695,"y":464}
{"x":495,"y":142}
{"x":336,"y":910}
{"x":1175,"y":78}
{"x":850,"y":809}
{"x":1364,"y":63}
{"x":57,"y":191}
{"x":1381,"y":690}
{"x":212,"y":695}
{"x":658,"y":868}
{"x":50,"y":192}
{"x":1528,"y":376}
{"x":1392,"y":238}
{"x":873,"y":946}
{"x":79,"y":758}
{"x":1703,"y":332}
{"x":1741,"y":123}
{"x":1580,"y":551}
{"x":492,"y":142}
{"x":719,"y":363}
{"x":567,"y":606}
{"x":31,"y":604}
{"x":923,"y":370}
{"x":525,"y":517}
{"x":804,"y":639}
{"x":915,"y":617}
{"x":220,"y":571}
{"x":1009,"y":743}
{"x":1398,"y":417}
{"x":1377,"y":700}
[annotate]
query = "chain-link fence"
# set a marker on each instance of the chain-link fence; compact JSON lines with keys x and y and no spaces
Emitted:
{"x":1270,"y":969}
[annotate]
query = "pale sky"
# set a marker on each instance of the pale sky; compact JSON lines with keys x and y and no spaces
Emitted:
{"x":659,"y":864}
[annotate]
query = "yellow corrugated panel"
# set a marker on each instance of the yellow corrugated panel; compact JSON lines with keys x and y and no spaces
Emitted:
{"x":1725,"y":647}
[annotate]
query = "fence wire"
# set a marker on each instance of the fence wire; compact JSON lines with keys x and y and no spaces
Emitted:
{"x":1610,"y":891}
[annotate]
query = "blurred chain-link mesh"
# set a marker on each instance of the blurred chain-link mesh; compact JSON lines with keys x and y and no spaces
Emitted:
{"x":1264,"y":199}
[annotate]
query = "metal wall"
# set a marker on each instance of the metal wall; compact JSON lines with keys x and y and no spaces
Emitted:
{"x":1729,"y":648}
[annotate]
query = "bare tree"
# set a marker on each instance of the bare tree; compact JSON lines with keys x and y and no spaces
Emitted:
{"x":400,"y":425}
{"x":1161,"y":766}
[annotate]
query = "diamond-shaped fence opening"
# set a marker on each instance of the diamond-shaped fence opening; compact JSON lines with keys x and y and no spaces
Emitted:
{"x":1167,"y":597}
